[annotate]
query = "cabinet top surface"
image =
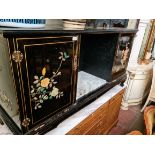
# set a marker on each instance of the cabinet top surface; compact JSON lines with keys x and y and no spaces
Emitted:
{"x":57,"y":30}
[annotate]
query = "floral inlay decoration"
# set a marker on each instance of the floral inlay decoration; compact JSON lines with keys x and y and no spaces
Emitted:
{"x":44,"y":88}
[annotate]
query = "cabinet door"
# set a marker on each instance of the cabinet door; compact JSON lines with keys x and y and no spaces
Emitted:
{"x":122,"y":54}
{"x":45,"y":71}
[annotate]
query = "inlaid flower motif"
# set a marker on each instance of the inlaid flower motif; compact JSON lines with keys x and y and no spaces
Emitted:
{"x":44,"y":71}
{"x":54,"y":92}
{"x":45,"y":82}
{"x":44,"y":88}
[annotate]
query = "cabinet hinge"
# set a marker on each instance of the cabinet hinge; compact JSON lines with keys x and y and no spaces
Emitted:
{"x":26,"y":122}
{"x":75,"y":63}
{"x":17,"y":56}
{"x":75,"y":38}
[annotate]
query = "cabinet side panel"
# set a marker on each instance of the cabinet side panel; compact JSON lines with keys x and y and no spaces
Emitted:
{"x":97,"y":54}
{"x":8,"y":95}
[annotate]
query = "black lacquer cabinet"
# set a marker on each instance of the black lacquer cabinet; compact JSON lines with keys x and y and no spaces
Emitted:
{"x":47,"y":75}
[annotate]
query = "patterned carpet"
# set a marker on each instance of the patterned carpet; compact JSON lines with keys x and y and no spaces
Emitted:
{"x":128,"y":121}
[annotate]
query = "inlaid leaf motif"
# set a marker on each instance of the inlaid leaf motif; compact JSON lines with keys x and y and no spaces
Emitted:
{"x":35,"y":98}
{"x":61,"y":53}
{"x":35,"y":82}
{"x":45,"y":97}
{"x":32,"y":91}
{"x":36,"y":77}
{"x":50,"y":85}
{"x":39,"y":89}
{"x":41,"y":77}
{"x":59,"y":73}
{"x":42,"y":89}
{"x":55,"y":82}
{"x":33,"y":95}
{"x":61,"y":94}
{"x":50,"y":97}
{"x":65,"y":55}
{"x":39,"y":106}
{"x":38,"y":85}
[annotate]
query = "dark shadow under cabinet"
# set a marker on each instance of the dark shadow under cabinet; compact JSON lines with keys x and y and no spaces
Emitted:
{"x":47,"y":75}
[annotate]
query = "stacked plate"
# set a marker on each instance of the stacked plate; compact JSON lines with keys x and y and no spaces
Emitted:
{"x":74,"y":23}
{"x":24,"y":23}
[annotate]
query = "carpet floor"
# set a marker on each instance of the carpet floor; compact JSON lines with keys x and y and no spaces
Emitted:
{"x":129,"y":120}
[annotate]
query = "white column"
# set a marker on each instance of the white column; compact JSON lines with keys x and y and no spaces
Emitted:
{"x":138,"y":42}
{"x":139,"y":77}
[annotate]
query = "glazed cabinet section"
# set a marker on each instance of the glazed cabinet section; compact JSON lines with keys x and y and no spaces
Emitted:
{"x":102,"y":120}
{"x":45,"y":74}
{"x":122,"y":54}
